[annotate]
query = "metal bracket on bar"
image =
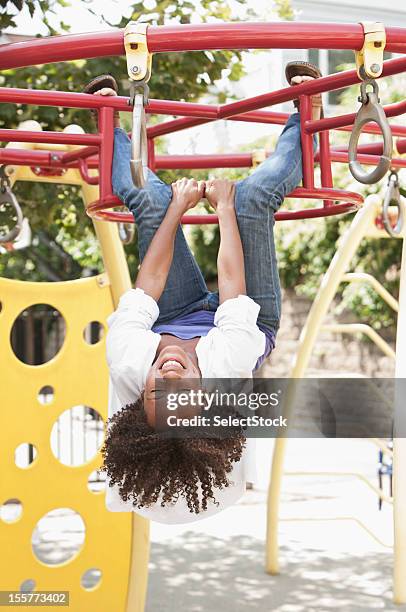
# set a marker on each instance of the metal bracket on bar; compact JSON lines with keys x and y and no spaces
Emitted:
{"x":369,"y":60}
{"x":139,"y":59}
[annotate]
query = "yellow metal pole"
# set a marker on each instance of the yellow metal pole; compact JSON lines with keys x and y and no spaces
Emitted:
{"x":399,"y":451}
{"x":328,"y":288}
{"x":361,"y":328}
{"x":118,"y":275}
{"x":112,"y":250}
{"x":363,"y":277}
{"x":117,"y":270}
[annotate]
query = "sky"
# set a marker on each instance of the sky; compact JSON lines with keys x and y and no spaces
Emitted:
{"x":81,"y":20}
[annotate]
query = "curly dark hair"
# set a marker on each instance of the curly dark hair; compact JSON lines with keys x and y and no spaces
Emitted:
{"x":145,"y":464}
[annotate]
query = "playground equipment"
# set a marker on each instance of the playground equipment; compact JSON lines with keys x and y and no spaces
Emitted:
{"x":121,"y":550}
{"x":116,"y":544}
{"x":368,"y":222}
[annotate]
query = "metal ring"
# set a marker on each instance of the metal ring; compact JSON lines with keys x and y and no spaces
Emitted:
{"x":370,"y":111}
{"x":139,"y":145}
{"x":8,"y":197}
{"x":126,"y":231}
{"x":392,"y":196}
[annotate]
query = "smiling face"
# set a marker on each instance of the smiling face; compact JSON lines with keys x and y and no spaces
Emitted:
{"x":172,"y":363}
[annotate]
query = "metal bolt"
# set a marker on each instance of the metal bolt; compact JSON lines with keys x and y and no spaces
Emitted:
{"x":54,"y":156}
{"x":103,"y":280}
{"x":375,"y":68}
{"x":135,"y":69}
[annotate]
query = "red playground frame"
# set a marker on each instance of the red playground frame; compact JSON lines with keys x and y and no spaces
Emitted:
{"x":96,"y":150}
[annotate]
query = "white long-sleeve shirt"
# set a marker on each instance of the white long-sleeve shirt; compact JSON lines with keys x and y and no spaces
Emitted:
{"x":229,"y":350}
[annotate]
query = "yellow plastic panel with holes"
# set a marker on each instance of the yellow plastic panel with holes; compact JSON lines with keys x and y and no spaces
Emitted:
{"x":78,"y":373}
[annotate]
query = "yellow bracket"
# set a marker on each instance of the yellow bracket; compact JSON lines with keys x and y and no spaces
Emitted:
{"x":139,"y":59}
{"x":370,"y":57}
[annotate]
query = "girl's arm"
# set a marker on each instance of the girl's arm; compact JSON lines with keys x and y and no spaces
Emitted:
{"x":154,"y":270}
{"x":230,"y":260}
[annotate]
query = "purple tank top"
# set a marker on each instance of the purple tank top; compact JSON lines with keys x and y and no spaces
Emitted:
{"x":199,"y":323}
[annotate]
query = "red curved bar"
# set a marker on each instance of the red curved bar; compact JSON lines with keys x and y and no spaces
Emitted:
{"x":351,"y":201}
{"x":196,"y":37}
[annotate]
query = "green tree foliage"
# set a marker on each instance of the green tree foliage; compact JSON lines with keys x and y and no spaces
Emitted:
{"x":178,"y":76}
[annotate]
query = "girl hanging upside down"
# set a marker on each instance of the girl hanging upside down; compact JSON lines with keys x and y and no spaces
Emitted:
{"x":170,"y":326}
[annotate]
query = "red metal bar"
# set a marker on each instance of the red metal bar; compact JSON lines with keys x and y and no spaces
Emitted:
{"x":244,"y":160}
{"x":43,"y":159}
{"x":326,"y":175}
{"x":391,"y":110}
{"x":401,"y":145}
{"x":49,"y":137}
{"x":369,"y":160}
{"x":83,"y":169}
{"x":151,"y":154}
{"x":41,"y":97}
{"x":373,"y":148}
{"x":186,"y":109}
{"x":257,"y":35}
{"x":168,"y":127}
{"x":23,"y":157}
{"x":106,"y":123}
{"x":197,"y":37}
{"x":175,"y":125}
{"x":70,"y":156}
{"x":233,"y":160}
{"x":349,"y":201}
{"x":307,"y":142}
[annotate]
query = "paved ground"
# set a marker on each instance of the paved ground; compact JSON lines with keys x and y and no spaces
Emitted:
{"x":217,"y":565}
{"x":329,"y":560}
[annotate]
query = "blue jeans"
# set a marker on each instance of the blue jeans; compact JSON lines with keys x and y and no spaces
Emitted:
{"x":257,"y":199}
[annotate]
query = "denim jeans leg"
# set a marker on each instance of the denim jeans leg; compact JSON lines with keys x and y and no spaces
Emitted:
{"x":258,"y":197}
{"x":185,"y":288}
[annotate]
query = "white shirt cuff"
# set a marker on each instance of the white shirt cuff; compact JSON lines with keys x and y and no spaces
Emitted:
{"x":241,"y":309}
{"x":141,"y":305}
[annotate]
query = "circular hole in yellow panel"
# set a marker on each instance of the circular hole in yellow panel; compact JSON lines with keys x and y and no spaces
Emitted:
{"x":91,"y":578}
{"x":46,"y":395}
{"x":93,"y":332}
{"x":77,"y":435}
{"x":25,"y":454}
{"x":27,"y":585}
{"x":1,"y":306}
{"x":96,"y":481}
{"x":58,"y":536}
{"x":11,"y":510}
{"x":37,"y":334}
